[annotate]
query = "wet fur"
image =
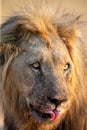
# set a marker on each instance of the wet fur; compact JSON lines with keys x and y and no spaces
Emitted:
{"x":47,"y":24}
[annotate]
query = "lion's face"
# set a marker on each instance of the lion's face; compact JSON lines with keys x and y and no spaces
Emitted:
{"x":42,"y":75}
{"x":43,"y":64}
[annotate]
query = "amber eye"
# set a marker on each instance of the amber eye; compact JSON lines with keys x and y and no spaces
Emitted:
{"x":36,"y":65}
{"x":66,"y":67}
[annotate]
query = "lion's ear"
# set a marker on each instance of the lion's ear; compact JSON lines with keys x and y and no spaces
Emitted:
{"x":13,"y":30}
{"x":67,"y":27}
{"x":13,"y":33}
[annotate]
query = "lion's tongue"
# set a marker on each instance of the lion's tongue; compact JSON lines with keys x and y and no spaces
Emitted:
{"x":53,"y":113}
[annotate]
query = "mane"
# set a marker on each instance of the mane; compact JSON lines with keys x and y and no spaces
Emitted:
{"x":42,"y":18}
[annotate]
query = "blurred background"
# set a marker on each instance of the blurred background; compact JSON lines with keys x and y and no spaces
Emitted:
{"x":7,"y":7}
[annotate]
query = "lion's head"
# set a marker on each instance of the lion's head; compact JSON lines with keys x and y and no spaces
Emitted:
{"x":43,"y":71}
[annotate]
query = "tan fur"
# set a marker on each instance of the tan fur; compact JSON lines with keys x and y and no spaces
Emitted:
{"x":41,"y":28}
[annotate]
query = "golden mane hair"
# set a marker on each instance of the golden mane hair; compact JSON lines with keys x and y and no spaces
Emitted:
{"x":42,"y":18}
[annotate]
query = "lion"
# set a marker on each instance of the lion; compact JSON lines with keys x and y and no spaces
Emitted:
{"x":44,"y":70}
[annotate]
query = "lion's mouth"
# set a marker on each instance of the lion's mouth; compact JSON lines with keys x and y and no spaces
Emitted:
{"x":47,"y":114}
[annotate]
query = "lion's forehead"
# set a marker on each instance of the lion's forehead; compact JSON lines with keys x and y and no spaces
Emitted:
{"x":38,"y":49}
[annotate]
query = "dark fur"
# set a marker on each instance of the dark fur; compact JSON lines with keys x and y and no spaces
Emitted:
{"x":41,"y":35}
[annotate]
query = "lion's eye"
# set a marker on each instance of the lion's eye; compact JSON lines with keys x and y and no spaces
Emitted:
{"x":66,"y":67}
{"x":36,"y":65}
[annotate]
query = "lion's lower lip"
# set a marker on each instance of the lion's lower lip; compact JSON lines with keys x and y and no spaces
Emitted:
{"x":43,"y":115}
{"x":47,"y":114}
{"x":40,"y":114}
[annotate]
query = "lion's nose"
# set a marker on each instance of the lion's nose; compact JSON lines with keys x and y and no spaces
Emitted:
{"x":57,"y":101}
